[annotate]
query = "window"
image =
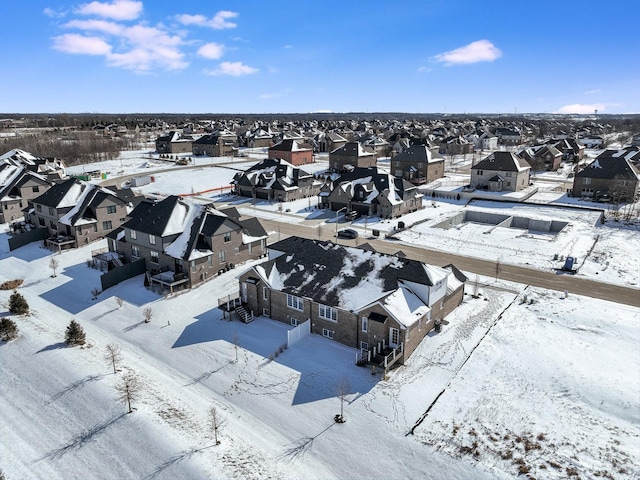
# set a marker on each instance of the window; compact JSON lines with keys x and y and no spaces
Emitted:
{"x":95,"y":227}
{"x":328,"y":313}
{"x":41,"y":221}
{"x":294,"y":322}
{"x":193,"y":266}
{"x":154,"y":257}
{"x":53,"y":225}
{"x":586,"y":181}
{"x":51,"y":211}
{"x":135,"y":253}
{"x":210,"y":261}
{"x":35,"y":189}
{"x":107,"y":225}
{"x":480,"y":172}
{"x":133,"y":234}
{"x":508,"y":184}
{"x":152,"y":239}
{"x":365,"y":324}
{"x":265,"y":293}
{"x":265,"y":312}
{"x":509,"y":174}
{"x":364,"y":346}
{"x":111,"y":209}
{"x":327,"y":333}
{"x":39,"y":208}
{"x":398,"y":173}
{"x":6,"y":207}
{"x":78,"y":230}
{"x":295,"y":302}
{"x":221,"y":256}
{"x":227,"y":237}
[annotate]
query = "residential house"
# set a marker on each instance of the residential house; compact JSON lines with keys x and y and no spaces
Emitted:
{"x":501,"y":171}
{"x":542,"y":157}
{"x":508,"y":136}
{"x":379,"y":304}
{"x":329,"y":141}
{"x":610,"y":177}
{"x":418,"y":165}
{"x":49,"y":167}
{"x":259,"y":138}
{"x":352,"y":155}
{"x":570,"y":148}
{"x":370,"y":192}
{"x":18,"y":187}
{"x":76,"y":213}
{"x":276,"y":179}
{"x":215,"y":145}
{"x":591,"y":141}
{"x":174,"y":142}
{"x":296,"y":152}
{"x":185,"y":243}
{"x":455,"y":145}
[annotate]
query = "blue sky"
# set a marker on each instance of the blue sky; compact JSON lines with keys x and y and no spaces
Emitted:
{"x":252,"y":56}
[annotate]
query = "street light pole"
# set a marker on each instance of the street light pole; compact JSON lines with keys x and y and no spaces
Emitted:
{"x":337,"y":213}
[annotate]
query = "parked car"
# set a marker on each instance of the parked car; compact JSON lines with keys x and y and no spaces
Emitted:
{"x":351,"y":216}
{"x":347,"y":233}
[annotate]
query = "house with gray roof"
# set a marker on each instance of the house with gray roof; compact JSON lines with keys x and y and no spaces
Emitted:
{"x":352,"y":155}
{"x":185,"y":243}
{"x":611,"y":177}
{"x":501,"y":171}
{"x":418,"y":164}
{"x":382,"y":305}
{"x":18,"y":187}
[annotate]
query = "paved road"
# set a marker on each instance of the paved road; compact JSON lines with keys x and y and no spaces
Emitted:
{"x":528,"y":276}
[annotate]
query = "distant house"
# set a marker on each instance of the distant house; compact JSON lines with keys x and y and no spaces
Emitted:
{"x":329,"y":141}
{"x":215,"y":145}
{"x":610,"y":177}
{"x":542,"y":157}
{"x":455,"y":145}
{"x":296,"y":152}
{"x":570,"y":148}
{"x":417,"y":165}
{"x":591,"y":141}
{"x":76,"y":213}
{"x":185,"y":243}
{"x":49,"y":167}
{"x":379,"y":304}
{"x":370,"y":192}
{"x":18,"y":187}
{"x":277,"y":180}
{"x":508,"y":136}
{"x":174,"y":142}
{"x":352,"y":155}
{"x":501,"y":171}
{"x":259,"y":138}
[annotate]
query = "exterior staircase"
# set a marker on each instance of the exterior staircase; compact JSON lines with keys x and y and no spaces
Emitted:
{"x":243,"y":314}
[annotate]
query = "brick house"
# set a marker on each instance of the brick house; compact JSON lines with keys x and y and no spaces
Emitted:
{"x":18,"y":187}
{"x":185,"y":243}
{"x":367,"y":300}
{"x":76,"y":213}
{"x":174,"y":142}
{"x":418,"y":164}
{"x":352,"y":155}
{"x":610,"y":177}
{"x":215,"y":145}
{"x":49,"y":167}
{"x":296,"y":152}
{"x":542,"y":157}
{"x":276,"y":179}
{"x":370,"y":192}
{"x":501,"y":171}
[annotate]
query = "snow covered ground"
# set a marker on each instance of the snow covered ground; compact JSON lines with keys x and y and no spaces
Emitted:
{"x":566,"y":369}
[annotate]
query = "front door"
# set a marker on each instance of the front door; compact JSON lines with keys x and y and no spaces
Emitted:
{"x":394,"y":337}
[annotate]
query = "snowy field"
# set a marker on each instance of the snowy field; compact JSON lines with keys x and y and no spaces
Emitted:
{"x":561,"y":373}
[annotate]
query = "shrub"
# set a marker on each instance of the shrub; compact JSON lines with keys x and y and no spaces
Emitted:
{"x":8,"y":329}
{"x":74,"y":334}
{"x":17,"y":304}
{"x":11,"y":284}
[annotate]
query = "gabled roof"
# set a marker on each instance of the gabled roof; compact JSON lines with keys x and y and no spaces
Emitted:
{"x":335,"y":275}
{"x":61,"y":195}
{"x":502,"y":162}
{"x":417,"y":154}
{"x":353,"y":149}
{"x":610,"y":167}
{"x":290,"y":145}
{"x":13,"y":177}
{"x":89,"y":199}
{"x":162,"y":219}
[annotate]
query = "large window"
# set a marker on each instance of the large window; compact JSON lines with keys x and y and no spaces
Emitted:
{"x":365,"y":324}
{"x":221,"y":256}
{"x":328,"y":313}
{"x":107,"y":225}
{"x":154,"y":257}
{"x":51,"y":211}
{"x":133,"y":234}
{"x":152,"y":239}
{"x":135,"y":252}
{"x":295,"y":302}
{"x":227,"y":237}
{"x":111,"y":209}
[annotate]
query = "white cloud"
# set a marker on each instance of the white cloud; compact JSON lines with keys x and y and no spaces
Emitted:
{"x":218,"y":21}
{"x":50,"y":12}
{"x":478,"y":51}
{"x":268,"y":96}
{"x":117,"y":9}
{"x":582,"y":108}
{"x":593,"y":92}
{"x":212,"y":51}
{"x":80,"y":44}
{"x":98,"y":25}
{"x":234,"y":69}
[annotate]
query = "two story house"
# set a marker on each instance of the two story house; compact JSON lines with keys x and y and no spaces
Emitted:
{"x":610,"y":177}
{"x":18,"y":187}
{"x":215,"y":145}
{"x":418,"y":165}
{"x":296,"y":152}
{"x":352,"y":155}
{"x":185,"y":243}
{"x":501,"y":171}
{"x":367,"y":300}
{"x":174,"y":142}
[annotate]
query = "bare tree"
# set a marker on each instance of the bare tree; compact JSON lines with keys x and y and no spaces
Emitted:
{"x":498,"y":267}
{"x":120,"y":302}
{"x":344,"y":387}
{"x":216,"y":422}
{"x":128,"y":389}
{"x":236,"y":344}
{"x":53,"y":265}
{"x":148,"y":314}
{"x":113,"y":355}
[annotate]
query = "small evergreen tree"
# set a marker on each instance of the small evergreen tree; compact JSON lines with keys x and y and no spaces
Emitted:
{"x":17,"y":304}
{"x":8,"y":329}
{"x":74,"y":334}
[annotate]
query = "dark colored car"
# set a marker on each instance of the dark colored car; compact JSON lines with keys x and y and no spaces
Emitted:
{"x":347,"y":233}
